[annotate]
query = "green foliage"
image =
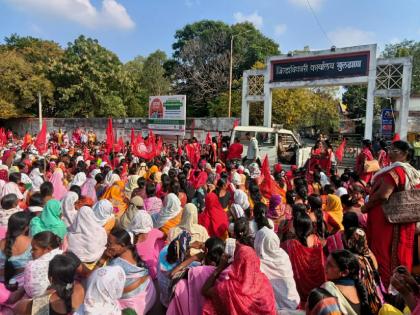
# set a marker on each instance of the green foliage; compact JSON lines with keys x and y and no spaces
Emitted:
{"x":201,"y":61}
{"x":404,"y":49}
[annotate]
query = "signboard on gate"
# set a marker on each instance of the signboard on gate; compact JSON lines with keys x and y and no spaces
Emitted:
{"x":167,"y":114}
{"x":319,"y":67}
{"x":387,"y":122}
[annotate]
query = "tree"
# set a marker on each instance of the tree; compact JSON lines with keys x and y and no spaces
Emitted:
{"x":88,"y":80}
{"x":20,"y":86}
{"x":153,"y":77}
{"x":201,"y":59}
{"x":404,"y":49}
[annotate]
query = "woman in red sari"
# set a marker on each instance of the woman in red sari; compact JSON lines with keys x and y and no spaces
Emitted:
{"x":365,"y":155}
{"x":306,"y":256}
{"x":246,"y":291}
{"x":392,"y":244}
{"x":214,"y":217}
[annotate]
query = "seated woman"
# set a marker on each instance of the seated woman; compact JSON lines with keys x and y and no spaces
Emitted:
{"x":115,"y":194}
{"x":187,"y":299}
{"x":338,"y":240}
{"x":369,"y":275}
{"x":275,"y":264}
{"x":350,"y":205}
{"x":148,"y":241}
{"x":69,"y":207}
{"x":139,"y":291}
{"x":64,"y":295}
{"x":136,"y":204}
{"x":104,"y":288}
{"x":9,"y":206}
{"x":223,"y":193}
{"x":260,"y":219}
{"x":15,"y":249}
{"x":170,"y":215}
{"x":169,"y":258}
{"x":49,"y":220}
{"x":342,"y":270}
{"x":246,"y":291}
{"x":286,"y":229}
{"x":87,"y":238}
{"x":45,"y":246}
{"x":104,"y":214}
{"x":335,"y":209}
{"x":214,"y":218}
{"x":306,"y":256}
{"x":189,"y":222}
{"x":152,"y":204}
{"x":320,"y":301}
{"x":321,"y":220}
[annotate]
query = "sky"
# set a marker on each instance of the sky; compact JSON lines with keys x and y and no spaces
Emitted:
{"x":138,"y":27}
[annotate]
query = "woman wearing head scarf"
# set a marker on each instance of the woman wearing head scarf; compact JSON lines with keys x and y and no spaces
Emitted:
{"x":89,"y":187}
{"x":136,"y":204}
{"x":246,"y":291}
{"x":79,"y":179}
{"x":170,"y":215}
{"x":131,"y":185}
{"x":150,"y":241}
{"x":275,"y":264}
{"x":115,"y":194}
{"x":86,"y":238}
{"x":111,"y":178}
{"x":335,"y":209}
{"x":57,"y":182}
{"x":214,"y":218}
{"x":4,"y":176}
{"x":104,"y":214}
{"x":189,"y":222}
{"x":49,"y":220}
{"x":105,"y":286}
{"x":68,"y":204}
{"x":357,"y":244}
{"x":36,"y":178}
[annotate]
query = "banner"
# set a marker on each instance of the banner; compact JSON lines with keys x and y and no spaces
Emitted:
{"x":167,"y":114}
{"x":387,"y":122}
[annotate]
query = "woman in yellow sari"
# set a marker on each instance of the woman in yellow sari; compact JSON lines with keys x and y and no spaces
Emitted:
{"x":335,"y":209}
{"x":170,"y":215}
{"x":115,"y":194}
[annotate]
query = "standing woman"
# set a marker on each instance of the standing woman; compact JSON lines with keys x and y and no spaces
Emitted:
{"x":365,"y":155}
{"x":214,"y":218}
{"x":49,"y":220}
{"x":383,"y":157}
{"x":139,"y":291}
{"x":394,"y":247}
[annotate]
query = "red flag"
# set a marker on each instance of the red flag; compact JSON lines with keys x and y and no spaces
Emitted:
{"x":121,"y":143}
{"x":109,"y":136}
{"x":3,"y":137}
{"x":236,"y":123}
{"x":339,"y":153}
{"x":41,"y":139}
{"x":208,"y":139}
{"x":396,"y":137}
{"x":133,"y":139}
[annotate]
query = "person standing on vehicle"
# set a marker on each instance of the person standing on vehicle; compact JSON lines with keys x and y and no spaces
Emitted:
{"x":253,"y":152}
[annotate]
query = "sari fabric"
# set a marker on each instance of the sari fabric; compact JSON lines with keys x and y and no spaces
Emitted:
{"x":308,"y":266}
{"x":171,"y":209}
{"x":327,"y":306}
{"x":115,"y":194}
{"x":57,"y":182}
{"x":275,"y":264}
{"x":365,"y":155}
{"x":394,"y":247}
{"x":87,"y":238}
{"x":49,"y":220}
{"x":104,"y":214}
{"x":89,"y":189}
{"x":68,"y":205}
{"x":188,"y":299}
{"x":105,"y":286}
{"x":335,"y":209}
{"x":247,"y":291}
{"x":189,"y":222}
{"x":214,"y":218}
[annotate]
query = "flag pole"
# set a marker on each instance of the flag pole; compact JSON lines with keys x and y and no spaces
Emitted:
{"x":40,"y":110}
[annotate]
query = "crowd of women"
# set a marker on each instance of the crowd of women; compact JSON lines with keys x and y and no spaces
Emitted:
{"x":79,"y":236}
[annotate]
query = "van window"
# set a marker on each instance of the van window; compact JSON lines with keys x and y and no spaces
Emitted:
{"x":286,"y":139}
{"x":266,"y":139}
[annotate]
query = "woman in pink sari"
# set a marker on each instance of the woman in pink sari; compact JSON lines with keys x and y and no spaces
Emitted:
{"x":392,"y":244}
{"x":57,"y":182}
{"x":365,"y":155}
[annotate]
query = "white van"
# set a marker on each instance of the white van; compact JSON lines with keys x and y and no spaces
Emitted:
{"x":281,"y":145}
